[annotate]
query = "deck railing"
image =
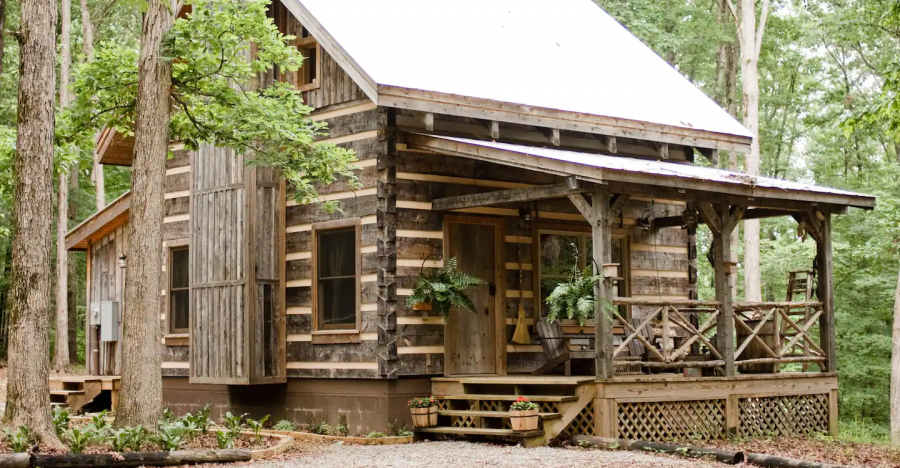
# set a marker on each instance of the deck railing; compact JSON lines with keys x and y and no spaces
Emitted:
{"x":683,"y":334}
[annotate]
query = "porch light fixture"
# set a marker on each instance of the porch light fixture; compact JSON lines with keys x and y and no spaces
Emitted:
{"x":122,"y":261}
{"x":645,"y":221}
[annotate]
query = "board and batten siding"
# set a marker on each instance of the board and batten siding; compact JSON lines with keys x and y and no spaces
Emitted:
{"x":176,"y":227}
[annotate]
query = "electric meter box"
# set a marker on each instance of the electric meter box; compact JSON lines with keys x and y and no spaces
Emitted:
{"x":106,"y":315}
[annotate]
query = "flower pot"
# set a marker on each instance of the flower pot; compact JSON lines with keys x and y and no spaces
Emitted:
{"x":526,"y":420}
{"x":422,"y":306}
{"x":424,"y":417}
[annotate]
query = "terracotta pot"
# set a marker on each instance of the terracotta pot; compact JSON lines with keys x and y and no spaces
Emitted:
{"x":424,"y":417}
{"x":422,"y":306}
{"x":526,"y":420}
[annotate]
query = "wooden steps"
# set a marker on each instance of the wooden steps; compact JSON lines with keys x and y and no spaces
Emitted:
{"x":481,"y":431}
{"x":73,"y":392}
{"x":491,"y":414}
{"x":535,"y":398}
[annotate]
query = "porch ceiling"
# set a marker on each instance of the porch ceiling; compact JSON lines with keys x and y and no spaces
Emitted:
{"x":655,"y":178}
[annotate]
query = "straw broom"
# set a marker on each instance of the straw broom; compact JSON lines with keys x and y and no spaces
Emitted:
{"x":521,"y":335}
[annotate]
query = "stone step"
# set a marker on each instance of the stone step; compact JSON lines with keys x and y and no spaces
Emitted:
{"x":480,"y":431}
{"x":535,"y":398}
{"x":492,"y":414}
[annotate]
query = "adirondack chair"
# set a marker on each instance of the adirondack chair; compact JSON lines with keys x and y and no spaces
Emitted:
{"x":554,"y":343}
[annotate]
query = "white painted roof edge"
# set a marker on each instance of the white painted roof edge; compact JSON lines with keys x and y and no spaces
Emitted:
{"x":658,"y":168}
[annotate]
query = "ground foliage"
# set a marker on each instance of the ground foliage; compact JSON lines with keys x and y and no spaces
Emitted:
{"x":829,"y":114}
{"x":820,"y":449}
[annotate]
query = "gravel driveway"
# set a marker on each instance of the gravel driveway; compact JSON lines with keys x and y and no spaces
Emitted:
{"x":464,"y":454}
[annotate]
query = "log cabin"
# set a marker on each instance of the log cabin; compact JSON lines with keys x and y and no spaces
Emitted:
{"x":524,"y":141}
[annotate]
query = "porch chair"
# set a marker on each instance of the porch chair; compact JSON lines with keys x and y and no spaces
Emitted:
{"x":554,"y":343}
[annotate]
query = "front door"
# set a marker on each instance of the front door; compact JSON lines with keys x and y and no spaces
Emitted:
{"x":470,"y":340}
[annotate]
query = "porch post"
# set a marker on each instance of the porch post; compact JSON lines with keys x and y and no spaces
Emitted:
{"x":826,"y":294}
{"x":723,"y":264}
{"x":600,"y":238}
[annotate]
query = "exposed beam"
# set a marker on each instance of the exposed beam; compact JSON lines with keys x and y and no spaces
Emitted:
{"x":493,"y":128}
{"x":609,"y":142}
{"x":662,"y":149}
{"x":616,"y":205}
{"x":542,"y":192}
{"x":552,"y":135}
{"x":427,"y":119}
{"x":584,"y":207}
{"x":755,"y":213}
{"x":710,"y":217}
{"x":711,"y":154}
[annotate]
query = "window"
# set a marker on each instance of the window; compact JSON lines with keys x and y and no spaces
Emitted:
{"x":561,"y":251}
{"x":179,"y":290}
{"x":308,"y":74}
{"x":336,"y":278}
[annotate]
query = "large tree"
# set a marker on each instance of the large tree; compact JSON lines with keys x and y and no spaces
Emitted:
{"x":28,"y":395}
{"x":895,"y":370}
{"x":61,"y":347}
{"x":750,"y":36}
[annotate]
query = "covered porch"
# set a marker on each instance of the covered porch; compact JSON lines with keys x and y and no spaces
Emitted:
{"x":685,"y":366}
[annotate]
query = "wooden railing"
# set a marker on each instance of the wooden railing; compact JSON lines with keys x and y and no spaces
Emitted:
{"x":683,"y":334}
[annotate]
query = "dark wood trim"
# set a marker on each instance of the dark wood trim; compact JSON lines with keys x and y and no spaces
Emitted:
{"x":171,"y":247}
{"x":541,"y":192}
{"x":356,"y":224}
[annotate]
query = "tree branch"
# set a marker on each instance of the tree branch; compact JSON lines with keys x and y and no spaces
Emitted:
{"x":734,"y":13}
{"x":764,"y":15}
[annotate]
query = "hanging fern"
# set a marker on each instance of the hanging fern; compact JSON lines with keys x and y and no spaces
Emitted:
{"x":443,"y":289}
{"x":574,"y":299}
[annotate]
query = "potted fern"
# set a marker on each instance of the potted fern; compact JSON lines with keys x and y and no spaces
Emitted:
{"x":523,"y":415}
{"x":574,"y":299}
{"x":442,"y":289}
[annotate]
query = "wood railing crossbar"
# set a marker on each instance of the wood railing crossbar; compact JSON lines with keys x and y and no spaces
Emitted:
{"x":754,"y":335}
{"x":801,"y":332}
{"x":632,"y":336}
{"x":697,"y":334}
{"x":650,"y":347}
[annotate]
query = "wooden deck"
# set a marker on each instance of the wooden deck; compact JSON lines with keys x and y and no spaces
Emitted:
{"x":75,"y":391}
{"x":657,"y":407}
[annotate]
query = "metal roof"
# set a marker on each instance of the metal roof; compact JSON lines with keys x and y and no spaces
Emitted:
{"x":566,"y":55}
{"x":674,"y":174}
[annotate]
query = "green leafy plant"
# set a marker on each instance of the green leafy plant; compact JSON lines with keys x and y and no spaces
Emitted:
{"x":318,"y":426}
{"x":375,"y":435}
{"x":233,"y":423}
{"x":421,"y":402}
{"x":574,"y":299}
{"x":119,"y":439}
{"x":60,"y":420}
{"x":342,"y":427}
{"x":79,"y":439}
{"x":394,"y":429}
{"x":523,"y":404}
{"x":200,"y":420}
{"x":225,"y":439}
{"x":167,"y":416}
{"x":136,"y":436}
{"x":20,"y":440}
{"x":99,"y":423}
{"x":284,"y":425}
{"x":444,"y":288}
{"x":256,"y":427}
{"x":170,"y":436}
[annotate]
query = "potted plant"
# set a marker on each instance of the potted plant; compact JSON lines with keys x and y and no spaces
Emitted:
{"x":523,"y":415}
{"x":424,"y":411}
{"x":442,"y":289}
{"x":574,"y":299}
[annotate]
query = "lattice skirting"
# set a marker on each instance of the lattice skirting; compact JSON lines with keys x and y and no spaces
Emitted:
{"x":671,"y":420}
{"x":794,"y":415}
{"x":583,"y":424}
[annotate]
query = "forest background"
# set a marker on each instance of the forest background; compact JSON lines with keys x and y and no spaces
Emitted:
{"x":829,"y":114}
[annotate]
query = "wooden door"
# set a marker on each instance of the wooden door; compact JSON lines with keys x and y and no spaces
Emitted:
{"x":471,"y":340}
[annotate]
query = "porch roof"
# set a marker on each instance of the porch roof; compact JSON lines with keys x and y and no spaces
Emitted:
{"x":100,"y":223}
{"x":626,"y":172}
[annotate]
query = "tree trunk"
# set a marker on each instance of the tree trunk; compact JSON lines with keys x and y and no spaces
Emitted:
{"x":61,"y":347}
{"x":895,"y":370}
{"x":750,"y":80}
{"x":2,"y":29}
{"x":141,"y":393}
{"x":27,"y":393}
{"x":88,"y":49}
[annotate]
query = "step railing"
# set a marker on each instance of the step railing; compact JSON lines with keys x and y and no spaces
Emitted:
{"x":780,"y":330}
